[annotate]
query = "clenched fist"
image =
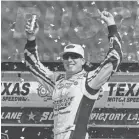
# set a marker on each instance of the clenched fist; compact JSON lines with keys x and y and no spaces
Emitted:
{"x":107,"y":17}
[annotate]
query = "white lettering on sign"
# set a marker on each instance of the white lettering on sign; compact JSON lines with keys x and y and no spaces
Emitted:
{"x":123,"y":99}
{"x":132,"y":117}
{"x":47,"y":116}
{"x":11,"y":98}
{"x":11,"y":115}
{"x":107,"y":116}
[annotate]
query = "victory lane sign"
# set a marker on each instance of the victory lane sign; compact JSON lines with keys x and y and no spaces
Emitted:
{"x":111,"y":116}
{"x":26,"y":115}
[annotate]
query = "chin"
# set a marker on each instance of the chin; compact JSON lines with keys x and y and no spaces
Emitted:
{"x":71,"y":71}
{"x":74,"y":72}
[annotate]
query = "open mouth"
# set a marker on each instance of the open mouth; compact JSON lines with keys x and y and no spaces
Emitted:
{"x":70,"y":65}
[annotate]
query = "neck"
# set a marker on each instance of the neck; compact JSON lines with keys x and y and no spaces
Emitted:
{"x":69,"y":75}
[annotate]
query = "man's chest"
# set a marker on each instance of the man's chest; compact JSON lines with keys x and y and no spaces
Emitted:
{"x":68,"y":88}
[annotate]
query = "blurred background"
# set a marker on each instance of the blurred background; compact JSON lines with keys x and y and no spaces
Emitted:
{"x":62,"y":22}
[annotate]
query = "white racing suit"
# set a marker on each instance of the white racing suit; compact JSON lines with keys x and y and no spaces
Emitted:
{"x":74,"y":97}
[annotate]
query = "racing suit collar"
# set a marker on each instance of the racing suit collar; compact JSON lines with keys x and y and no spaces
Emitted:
{"x":68,"y":76}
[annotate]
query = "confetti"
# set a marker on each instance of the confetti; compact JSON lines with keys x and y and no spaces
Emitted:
{"x":58,"y":37}
{"x":50,"y":35}
{"x":76,"y":29}
{"x":63,"y":9}
{"x":63,"y":43}
{"x":22,"y":80}
{"x":125,"y":23}
{"x":100,"y":39}
{"x":58,"y":58}
{"x":93,"y":3}
{"x":125,"y":33}
{"x":130,"y":43}
{"x":52,"y":25}
{"x":22,"y":61}
{"x":7,"y":10}
{"x":85,"y":10}
{"x":6,"y":131}
{"x":15,"y":67}
{"x":115,"y":13}
{"x":84,"y":46}
{"x":16,"y":50}
{"x":39,"y":133}
{"x":23,"y":129}
{"x":102,"y":21}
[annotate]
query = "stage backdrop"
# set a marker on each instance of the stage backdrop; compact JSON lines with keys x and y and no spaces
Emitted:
{"x":26,"y":103}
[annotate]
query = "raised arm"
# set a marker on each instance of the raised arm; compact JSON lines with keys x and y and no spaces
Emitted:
{"x":96,"y":78}
{"x":42,"y":73}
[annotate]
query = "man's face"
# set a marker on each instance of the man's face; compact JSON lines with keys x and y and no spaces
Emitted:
{"x":73,"y":62}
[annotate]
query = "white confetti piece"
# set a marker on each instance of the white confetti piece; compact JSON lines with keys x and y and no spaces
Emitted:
{"x":15,"y":67}
{"x":85,"y":10}
{"x":63,"y":43}
{"x":92,"y":3}
{"x":52,"y":25}
{"x":58,"y":58}
{"x":83,"y":46}
{"x":115,"y":13}
{"x":76,"y":29}
{"x":125,"y":33}
{"x":16,"y":50}
{"x":50,"y":35}
{"x":23,"y":129}
{"x":22,"y":80}
{"x":63,"y":9}
{"x":6,"y":131}
{"x":22,"y":61}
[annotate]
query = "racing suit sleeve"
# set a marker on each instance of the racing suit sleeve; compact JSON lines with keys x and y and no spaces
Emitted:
{"x":95,"y":79}
{"x":42,"y":73}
